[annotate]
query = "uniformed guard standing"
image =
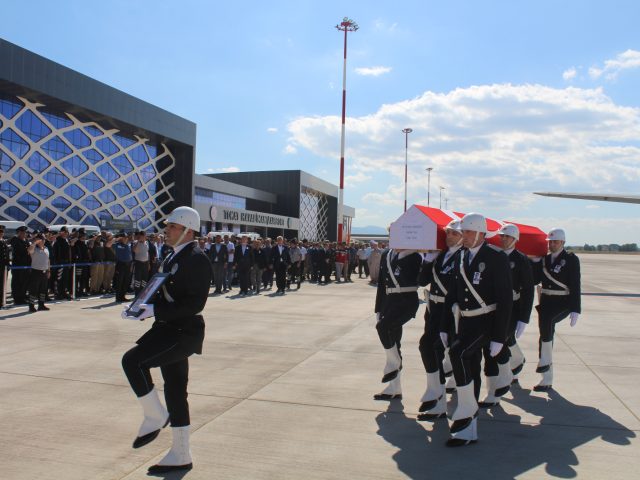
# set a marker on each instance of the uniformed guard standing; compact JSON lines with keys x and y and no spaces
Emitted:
{"x":20,"y":258}
{"x":477,"y":307}
{"x":396,"y":304}
{"x":559,"y":275}
{"x":510,"y":360}
{"x":176,"y":334}
{"x":4,"y":263}
{"x":438,"y":275}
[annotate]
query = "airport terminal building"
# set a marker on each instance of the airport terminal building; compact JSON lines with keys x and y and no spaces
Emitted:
{"x":76,"y":151}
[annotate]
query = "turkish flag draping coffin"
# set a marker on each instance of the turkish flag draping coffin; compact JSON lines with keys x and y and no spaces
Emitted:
{"x":422,"y":228}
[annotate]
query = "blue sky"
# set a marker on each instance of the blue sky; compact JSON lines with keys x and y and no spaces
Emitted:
{"x":505,"y":98}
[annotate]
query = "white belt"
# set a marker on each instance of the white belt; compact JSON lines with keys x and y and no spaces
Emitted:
{"x":436,"y":298}
{"x":516,"y":296}
{"x":478,"y":311}
{"x":546,"y":291}
{"x":401,"y":289}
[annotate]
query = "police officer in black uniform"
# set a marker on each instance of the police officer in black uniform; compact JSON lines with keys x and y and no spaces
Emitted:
{"x":396,"y":304}
{"x":4,"y":263}
{"x":176,"y":334}
{"x":559,"y":276}
{"x":437,"y":274}
{"x":478,"y":306}
{"x":20,"y":258}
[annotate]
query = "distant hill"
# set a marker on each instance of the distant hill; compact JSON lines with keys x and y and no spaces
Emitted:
{"x":369,"y":229}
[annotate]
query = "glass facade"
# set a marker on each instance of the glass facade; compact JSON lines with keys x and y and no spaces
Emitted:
{"x":209,"y":197}
{"x":57,"y":169}
{"x":314,"y":215}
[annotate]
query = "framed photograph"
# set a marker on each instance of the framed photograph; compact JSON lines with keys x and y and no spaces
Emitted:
{"x":153,"y":285}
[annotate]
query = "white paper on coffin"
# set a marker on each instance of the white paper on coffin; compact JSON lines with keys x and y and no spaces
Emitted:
{"x":414,"y":231}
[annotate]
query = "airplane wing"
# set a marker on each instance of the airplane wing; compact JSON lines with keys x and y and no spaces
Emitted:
{"x":603,"y":197}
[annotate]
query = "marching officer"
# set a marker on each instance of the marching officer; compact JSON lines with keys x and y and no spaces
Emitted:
{"x":176,"y":334}
{"x":559,"y":276}
{"x":438,"y":275}
{"x":477,"y":307}
{"x":510,"y":360}
{"x":396,"y":304}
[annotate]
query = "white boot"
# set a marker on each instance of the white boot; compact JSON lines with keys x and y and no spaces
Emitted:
{"x":179,"y":457}
{"x":446,"y":364}
{"x":516,"y":362}
{"x":156,"y":418}
{"x":451,"y":384}
{"x":392,"y":391}
{"x":433,"y":402}
{"x":545,"y":367}
{"x":464,"y":429}
{"x":491,"y":400}
{"x":393,"y":365}
{"x":503,"y":380}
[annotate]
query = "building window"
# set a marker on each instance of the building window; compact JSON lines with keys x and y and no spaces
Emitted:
{"x":32,"y":126}
{"x":204,"y":195}
{"x":314,"y":215}
{"x":56,"y":148}
{"x":14,"y":143}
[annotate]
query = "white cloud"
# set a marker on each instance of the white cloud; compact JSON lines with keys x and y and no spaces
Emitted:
{"x":228,"y":169}
{"x":290,"y":150}
{"x":490,"y":145}
{"x":569,"y":74}
{"x":372,"y":71}
{"x":357,"y":177}
{"x":626,"y":60}
{"x":272,"y":130}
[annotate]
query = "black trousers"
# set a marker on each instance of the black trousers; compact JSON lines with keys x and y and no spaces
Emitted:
{"x":19,"y":284}
{"x":295,"y":275}
{"x":389,"y":328}
{"x":218,"y":274}
{"x":122,"y":279}
{"x":363,"y":267}
{"x":465,"y":354}
{"x":63,"y":281}
{"x":267,"y":277}
{"x":547,"y":319}
{"x":244,"y":278}
{"x":2,"y":271}
{"x":37,"y":286}
{"x":431,"y":347}
{"x":281,"y":277}
{"x":140,"y":275}
{"x":174,"y":366}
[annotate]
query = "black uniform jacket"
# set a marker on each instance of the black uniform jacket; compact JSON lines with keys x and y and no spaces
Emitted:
{"x":565,"y":269}
{"x":445,"y":271}
{"x":280,"y":261}
{"x":244,"y":261}
{"x":178,"y":318}
{"x":221,"y":256}
{"x":402,"y":306}
{"x":489,"y":274}
{"x":522,"y":278}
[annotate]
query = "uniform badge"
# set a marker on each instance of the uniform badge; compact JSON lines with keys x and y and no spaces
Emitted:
{"x":396,"y":272}
{"x":557,"y":269}
{"x":563,"y":262}
{"x":174,"y":269}
{"x":476,"y":278}
{"x":513,"y":264}
{"x":481,"y":266}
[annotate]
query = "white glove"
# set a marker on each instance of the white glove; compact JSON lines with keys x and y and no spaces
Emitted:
{"x":574,"y":318}
{"x":494,"y":348}
{"x":378,"y":316}
{"x":520,"y":327}
{"x":430,"y":256}
{"x":444,"y":336}
{"x":124,"y":315}
{"x":147,"y":312}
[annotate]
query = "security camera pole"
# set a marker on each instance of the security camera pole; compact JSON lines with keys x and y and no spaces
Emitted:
{"x":347,"y":25}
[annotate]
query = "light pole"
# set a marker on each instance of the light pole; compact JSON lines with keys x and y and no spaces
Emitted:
{"x":347,"y":25}
{"x":406,"y":132}
{"x":441,"y":189}
{"x":429,"y":185}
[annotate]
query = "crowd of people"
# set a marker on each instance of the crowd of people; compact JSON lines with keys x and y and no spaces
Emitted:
{"x":60,"y":264}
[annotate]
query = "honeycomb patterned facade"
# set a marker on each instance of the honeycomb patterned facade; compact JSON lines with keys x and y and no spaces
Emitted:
{"x":314,"y":215}
{"x":56,"y":169}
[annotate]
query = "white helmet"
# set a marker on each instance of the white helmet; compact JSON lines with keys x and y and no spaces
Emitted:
{"x":453,"y":225}
{"x":474,"y":222}
{"x":511,"y":230}
{"x":556,"y":234}
{"x":185,"y":216}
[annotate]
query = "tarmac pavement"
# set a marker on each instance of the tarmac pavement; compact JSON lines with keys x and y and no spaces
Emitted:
{"x":284,"y":391}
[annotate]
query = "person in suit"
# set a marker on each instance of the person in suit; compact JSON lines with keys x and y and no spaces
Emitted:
{"x":558,"y":274}
{"x":242,"y":262}
{"x":280,"y":263}
{"x":20,"y":276}
{"x":259,"y":264}
{"x":477,"y":308}
{"x":4,"y":263}
{"x":176,"y":334}
{"x":218,"y":256}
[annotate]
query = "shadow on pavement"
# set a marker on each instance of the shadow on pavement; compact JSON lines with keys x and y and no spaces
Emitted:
{"x":506,"y":448}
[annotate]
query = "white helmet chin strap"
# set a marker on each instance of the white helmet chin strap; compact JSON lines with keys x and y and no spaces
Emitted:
{"x":181,"y":237}
{"x":475,"y":240}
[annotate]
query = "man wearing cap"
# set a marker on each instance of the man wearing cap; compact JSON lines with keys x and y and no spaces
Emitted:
{"x":438,"y":274}
{"x":510,"y":360}
{"x":477,"y":307}
{"x":396,"y":304}
{"x":4,"y":263}
{"x":20,"y":258}
{"x":558,"y":273}
{"x":176,"y":334}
